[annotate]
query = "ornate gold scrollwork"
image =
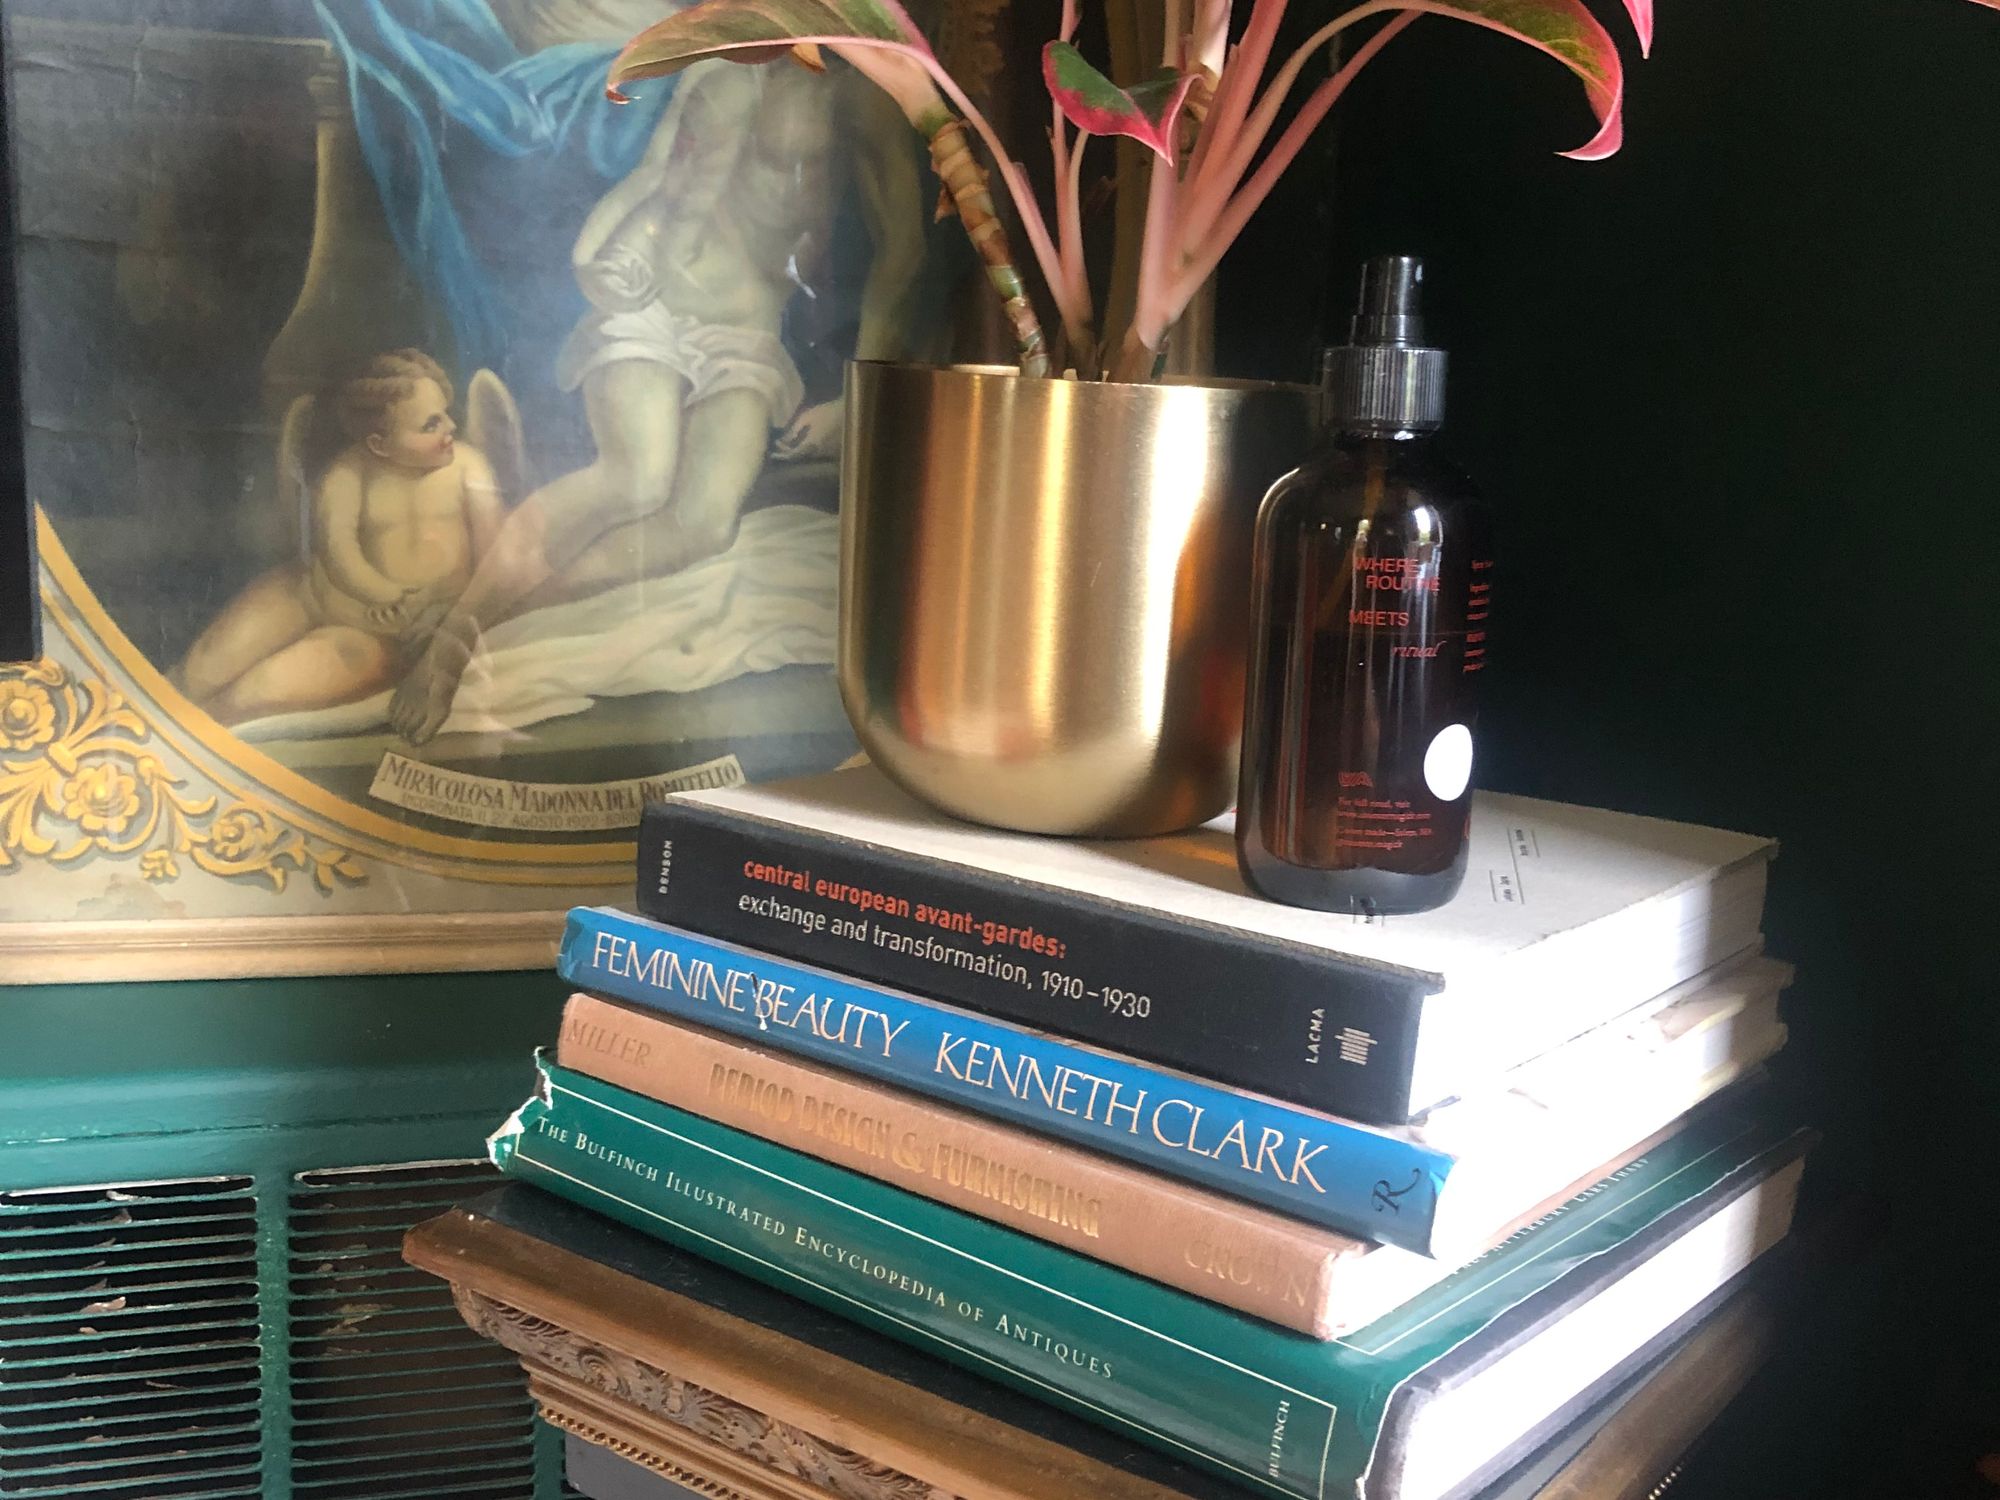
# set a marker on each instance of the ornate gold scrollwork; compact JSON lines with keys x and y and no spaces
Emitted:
{"x":78,"y":778}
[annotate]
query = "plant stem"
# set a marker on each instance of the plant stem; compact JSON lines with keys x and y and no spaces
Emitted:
{"x":1179,"y":23}
{"x":920,"y":86}
{"x":965,"y":179}
{"x":1140,"y":348}
{"x":1239,"y":81}
{"x":1222,"y":234}
{"x":1067,"y":159}
{"x":1226,"y":173}
{"x":1209,"y":38}
{"x":1072,"y":295}
{"x":1069,"y":225}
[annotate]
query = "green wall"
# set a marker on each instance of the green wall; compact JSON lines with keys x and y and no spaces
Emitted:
{"x":1735,"y":393}
{"x":98,"y":1062}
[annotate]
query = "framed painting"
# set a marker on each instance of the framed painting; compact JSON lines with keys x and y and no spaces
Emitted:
{"x":431,"y":462}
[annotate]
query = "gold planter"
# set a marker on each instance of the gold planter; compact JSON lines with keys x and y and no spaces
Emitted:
{"x":1045,"y":589}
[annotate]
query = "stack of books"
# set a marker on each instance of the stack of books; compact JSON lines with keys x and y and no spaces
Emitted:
{"x":1305,"y":1205}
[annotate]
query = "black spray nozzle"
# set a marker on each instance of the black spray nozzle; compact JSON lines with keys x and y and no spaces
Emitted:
{"x":1390,"y":310}
{"x":1385,"y":378}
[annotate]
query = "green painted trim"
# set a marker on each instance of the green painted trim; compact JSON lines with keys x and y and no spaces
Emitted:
{"x":109,"y":1061}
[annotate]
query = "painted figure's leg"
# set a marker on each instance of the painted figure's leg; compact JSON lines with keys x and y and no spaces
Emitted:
{"x":331,"y":665}
{"x":266,"y":617}
{"x":722,"y":452}
{"x":728,"y":436}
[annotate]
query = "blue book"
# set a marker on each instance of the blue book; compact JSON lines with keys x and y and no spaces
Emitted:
{"x":1382,"y":1183}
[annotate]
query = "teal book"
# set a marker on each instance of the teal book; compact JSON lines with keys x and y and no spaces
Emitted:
{"x":1408,"y":1408}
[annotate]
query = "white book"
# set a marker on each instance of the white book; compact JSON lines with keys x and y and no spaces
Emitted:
{"x":1568,"y":918}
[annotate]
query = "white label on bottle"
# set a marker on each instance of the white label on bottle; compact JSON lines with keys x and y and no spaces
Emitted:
{"x":1448,"y":763}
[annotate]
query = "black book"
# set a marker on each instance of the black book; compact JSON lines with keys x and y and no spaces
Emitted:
{"x":1154,"y":948}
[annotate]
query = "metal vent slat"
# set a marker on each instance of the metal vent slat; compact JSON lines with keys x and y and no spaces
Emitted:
{"x":100,"y":1419}
{"x":317,"y":1361}
{"x":117,"y":1215}
{"x":168,"y":1239}
{"x":102,"y":1460}
{"x":453,"y":1367}
{"x":246,"y":1488}
{"x":114,"y":1442}
{"x":361,"y":1261}
{"x":389,"y":1294}
{"x":204,"y":1340}
{"x":417,"y":1442}
{"x":90,"y":1292}
{"x":504,"y":1389}
{"x":449,"y":1475}
{"x":149,"y":1194}
{"x":418,"y":1177}
{"x":430,"y":1487}
{"x":124,"y":1326}
{"x":433,"y":1336}
{"x":376,"y":1218}
{"x":213,"y":1485}
{"x":137,"y":1375}
{"x":129,"y":1342}
{"x":81,"y":1264}
{"x":326,"y":1280}
{"x":393,"y":1397}
{"x":211,"y":1388}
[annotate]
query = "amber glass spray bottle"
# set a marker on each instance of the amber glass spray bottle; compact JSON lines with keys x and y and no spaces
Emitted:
{"x":1373,"y":581}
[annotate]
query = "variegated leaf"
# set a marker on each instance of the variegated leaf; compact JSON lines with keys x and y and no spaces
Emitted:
{"x":1568,"y":32}
{"x":759,"y":30}
{"x":1148,"y":112}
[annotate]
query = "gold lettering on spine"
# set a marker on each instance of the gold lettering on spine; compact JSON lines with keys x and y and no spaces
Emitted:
{"x":1013,"y":1187}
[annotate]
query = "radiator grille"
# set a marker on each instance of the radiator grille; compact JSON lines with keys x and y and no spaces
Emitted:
{"x":392,"y":1396}
{"x":129,"y":1343}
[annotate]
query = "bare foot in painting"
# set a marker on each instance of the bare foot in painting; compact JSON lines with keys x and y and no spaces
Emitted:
{"x":422,"y":701}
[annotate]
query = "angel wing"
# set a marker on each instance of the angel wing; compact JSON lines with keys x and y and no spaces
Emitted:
{"x":295,"y":484}
{"x":493,"y":426}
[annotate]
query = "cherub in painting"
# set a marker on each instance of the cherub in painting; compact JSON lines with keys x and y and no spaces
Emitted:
{"x":397,"y":513}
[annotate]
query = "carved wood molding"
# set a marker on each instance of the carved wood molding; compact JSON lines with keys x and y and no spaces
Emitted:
{"x":675,"y":1427}
{"x":751,"y":1408}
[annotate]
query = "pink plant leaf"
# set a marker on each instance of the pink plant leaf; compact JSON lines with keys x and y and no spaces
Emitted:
{"x":1148,"y":112}
{"x":754,"y":31}
{"x":1641,"y":12}
{"x":1568,"y":33}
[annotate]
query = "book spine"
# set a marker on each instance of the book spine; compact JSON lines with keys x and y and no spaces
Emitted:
{"x":1282,"y":1020}
{"x":1360,"y":1180}
{"x":1219,"y":1249}
{"x":1113,"y":1347}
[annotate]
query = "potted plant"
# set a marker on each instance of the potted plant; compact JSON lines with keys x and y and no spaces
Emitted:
{"x":1043,"y":576}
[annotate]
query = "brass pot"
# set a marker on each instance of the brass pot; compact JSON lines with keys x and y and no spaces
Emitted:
{"x":1045,"y":589}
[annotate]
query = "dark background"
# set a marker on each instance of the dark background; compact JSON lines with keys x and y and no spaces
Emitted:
{"x":1734,"y":395}
{"x":20,"y":638}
